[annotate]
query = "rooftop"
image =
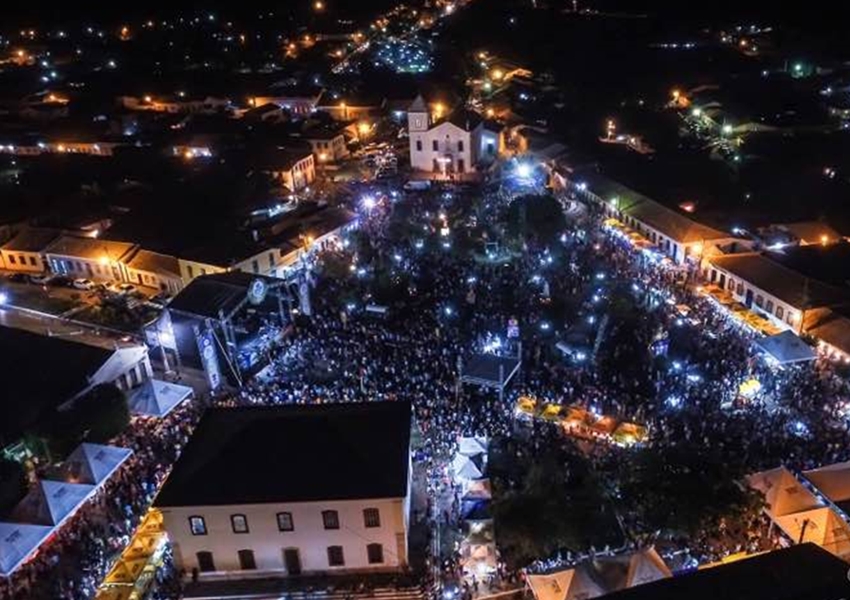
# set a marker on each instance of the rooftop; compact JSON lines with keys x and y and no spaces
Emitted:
{"x":677,"y":226}
{"x":802,"y":572}
{"x":31,"y":239}
{"x":45,"y":373}
{"x":766,"y":273}
{"x":89,"y":248}
{"x":327,"y":452}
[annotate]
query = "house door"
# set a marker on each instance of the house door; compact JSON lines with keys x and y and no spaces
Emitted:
{"x":461,"y":167}
{"x":292,"y":561}
{"x":749,"y":298}
{"x":205,"y":562}
{"x":722,"y":281}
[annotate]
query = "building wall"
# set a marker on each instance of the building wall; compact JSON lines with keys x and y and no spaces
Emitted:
{"x":159,"y":281}
{"x":189,"y":269}
{"x":309,"y":536}
{"x":334,"y":148}
{"x":445,"y":142}
{"x":22,"y":262}
{"x":299,"y":176}
{"x":78,"y":267}
{"x":295,"y":105}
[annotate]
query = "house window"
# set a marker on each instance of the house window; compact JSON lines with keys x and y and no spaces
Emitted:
{"x":284,"y":521}
{"x":460,"y":145}
{"x":255,"y":265}
{"x":271,"y":260}
{"x":491,"y":149}
{"x":331,"y":519}
{"x":335,"y":556}
{"x":371,"y":517}
{"x":769,"y":306}
{"x":375,"y":552}
{"x":759,"y":300}
{"x":197,"y":525}
{"x":246,"y":560}
{"x":203,"y":271}
{"x":434,"y":145}
{"x":239,"y":523}
{"x":780,"y":312}
{"x":12,"y":260}
{"x":190,"y":271}
{"x":419,"y":145}
{"x":22,"y":259}
{"x":731,"y":284}
{"x":33,"y":261}
{"x":740,"y":288}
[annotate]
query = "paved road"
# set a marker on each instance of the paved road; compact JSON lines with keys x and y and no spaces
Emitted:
{"x":45,"y":324}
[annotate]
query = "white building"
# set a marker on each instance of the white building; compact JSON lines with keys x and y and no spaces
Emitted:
{"x":289,"y":490}
{"x":456,"y":144}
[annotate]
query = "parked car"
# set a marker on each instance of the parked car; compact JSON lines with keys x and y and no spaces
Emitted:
{"x":42,"y":279}
{"x":61,"y":281}
{"x":83,"y":284}
{"x":122,"y":289}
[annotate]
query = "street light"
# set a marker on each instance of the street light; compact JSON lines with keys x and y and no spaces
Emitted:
{"x":697,"y":112}
{"x":727,"y":129}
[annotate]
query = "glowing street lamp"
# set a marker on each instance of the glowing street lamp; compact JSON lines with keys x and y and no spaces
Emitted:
{"x":697,"y":112}
{"x":318,"y":6}
{"x":439,"y":109}
{"x":727,"y":129}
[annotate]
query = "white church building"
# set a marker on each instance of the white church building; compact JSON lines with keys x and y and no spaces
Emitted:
{"x":457,"y":143}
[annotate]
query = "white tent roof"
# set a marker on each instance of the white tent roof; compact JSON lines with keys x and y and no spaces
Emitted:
{"x":464,"y":468}
{"x":787,"y":348}
{"x":92,"y":464}
{"x":822,"y":527}
{"x":553,"y":586}
{"x":157,"y":398}
{"x":646,"y":566}
{"x":783,"y":493}
{"x":472,"y":446}
{"x":18,"y":542}
{"x":833,"y":481}
{"x":51,"y":502}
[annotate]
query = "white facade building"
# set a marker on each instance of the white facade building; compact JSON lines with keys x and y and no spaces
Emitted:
{"x":290,"y":490}
{"x":457,"y":144}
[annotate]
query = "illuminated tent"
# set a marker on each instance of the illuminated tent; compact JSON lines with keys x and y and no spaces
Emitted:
{"x":820,"y":526}
{"x":553,"y":586}
{"x":126,"y":571}
{"x":156,"y":398}
{"x":833,"y":481}
{"x":465,"y":468}
{"x":472,"y":446}
{"x":18,"y":542}
{"x":51,"y":502}
{"x":786,"y":348}
{"x":783,"y":492}
{"x":92,"y":464}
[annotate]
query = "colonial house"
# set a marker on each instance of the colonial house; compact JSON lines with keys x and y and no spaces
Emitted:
{"x":457,"y":143}
{"x":156,"y":271}
{"x":90,"y":258}
{"x":293,"y":168}
{"x":328,"y":145}
{"x":24,"y":253}
{"x":341,"y":507}
{"x":676,"y":235}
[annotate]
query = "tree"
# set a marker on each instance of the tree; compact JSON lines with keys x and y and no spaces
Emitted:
{"x":557,"y":504}
{"x":684,"y":489}
{"x":13,"y":484}
{"x":98,"y":416}
{"x":538,"y":218}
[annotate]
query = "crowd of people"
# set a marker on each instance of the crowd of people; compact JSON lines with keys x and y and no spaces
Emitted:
{"x":443,"y":305}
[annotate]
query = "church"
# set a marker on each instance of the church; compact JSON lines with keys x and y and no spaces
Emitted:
{"x":458,"y":142}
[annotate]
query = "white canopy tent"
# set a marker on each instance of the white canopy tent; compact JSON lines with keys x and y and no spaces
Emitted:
{"x":472,"y":446}
{"x":18,"y":542}
{"x":465,"y":468}
{"x":787,"y":348}
{"x":50,"y":503}
{"x":92,"y":464}
{"x":156,"y":398}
